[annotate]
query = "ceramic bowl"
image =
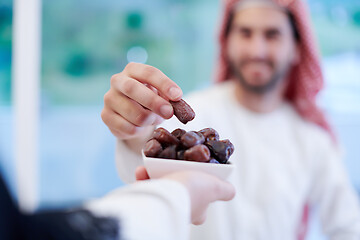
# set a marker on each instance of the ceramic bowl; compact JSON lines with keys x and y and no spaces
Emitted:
{"x":158,"y":167}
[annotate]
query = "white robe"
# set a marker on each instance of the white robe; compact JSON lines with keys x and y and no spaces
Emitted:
{"x":282,"y":162}
{"x":149,"y":210}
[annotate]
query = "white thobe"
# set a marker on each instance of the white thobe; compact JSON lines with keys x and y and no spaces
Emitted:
{"x":282,"y":162}
{"x":147,"y":210}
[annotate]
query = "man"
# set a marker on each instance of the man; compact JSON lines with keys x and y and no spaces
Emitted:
{"x":285,"y":153}
{"x":159,"y":209}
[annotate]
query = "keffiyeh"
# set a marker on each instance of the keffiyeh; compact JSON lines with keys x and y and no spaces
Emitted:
{"x":305,"y":79}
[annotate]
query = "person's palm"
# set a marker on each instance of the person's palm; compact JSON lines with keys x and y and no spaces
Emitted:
{"x":203,"y":189}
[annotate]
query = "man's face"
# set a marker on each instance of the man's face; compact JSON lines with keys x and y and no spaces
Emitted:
{"x":261,"y":48}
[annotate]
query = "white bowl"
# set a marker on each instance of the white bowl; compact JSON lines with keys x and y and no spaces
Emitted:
{"x":158,"y":167}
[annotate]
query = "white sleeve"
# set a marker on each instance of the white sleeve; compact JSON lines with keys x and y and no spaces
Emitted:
{"x":156,"y":209}
{"x":126,"y":162}
{"x":334,"y":197}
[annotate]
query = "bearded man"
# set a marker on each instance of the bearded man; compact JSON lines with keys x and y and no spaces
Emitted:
{"x":287,"y":159}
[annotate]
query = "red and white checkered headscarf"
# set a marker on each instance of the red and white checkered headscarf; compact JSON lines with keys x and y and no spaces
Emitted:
{"x":305,"y":79}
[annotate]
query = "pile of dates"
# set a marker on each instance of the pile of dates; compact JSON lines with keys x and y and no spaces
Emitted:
{"x":200,"y":146}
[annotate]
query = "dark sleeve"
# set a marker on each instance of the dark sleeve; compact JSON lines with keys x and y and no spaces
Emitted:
{"x":70,"y":225}
{"x":76,"y":224}
{"x":9,"y":214}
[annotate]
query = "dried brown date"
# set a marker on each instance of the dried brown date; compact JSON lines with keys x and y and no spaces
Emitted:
{"x":191,"y":139}
{"x":180,"y":154}
{"x":198,"y":153}
{"x":213,"y":161}
{"x":152,"y":148}
{"x":230,"y":145}
{"x":209,"y":134}
{"x":183,"y":111}
{"x":219,"y":150}
{"x":178,"y":133}
{"x":200,"y":146}
{"x":164,"y":137}
{"x":169,"y":152}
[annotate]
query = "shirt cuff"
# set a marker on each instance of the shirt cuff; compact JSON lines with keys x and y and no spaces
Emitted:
{"x":126,"y":162}
{"x":153,"y":209}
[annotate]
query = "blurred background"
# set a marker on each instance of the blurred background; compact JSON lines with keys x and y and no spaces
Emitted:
{"x":85,"y":42}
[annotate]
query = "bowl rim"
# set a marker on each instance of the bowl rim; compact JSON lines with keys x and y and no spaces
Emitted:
{"x":227,"y":165}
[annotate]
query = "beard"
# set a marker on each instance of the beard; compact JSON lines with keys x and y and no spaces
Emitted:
{"x":276,"y":77}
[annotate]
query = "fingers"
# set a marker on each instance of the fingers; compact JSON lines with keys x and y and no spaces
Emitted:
{"x":199,"y":183}
{"x":199,"y":219}
{"x":222,"y":190}
{"x":156,"y":78}
{"x":125,"y":118}
{"x":130,"y":110}
{"x":203,"y":189}
{"x":117,"y":124}
{"x":141,"y":94}
{"x":139,"y":97}
{"x":141,"y":173}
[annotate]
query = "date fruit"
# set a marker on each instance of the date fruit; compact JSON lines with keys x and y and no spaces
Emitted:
{"x":165,"y":138}
{"x":213,"y":161}
{"x":169,"y":152}
{"x":209,"y":134}
{"x":230,"y":145}
{"x":183,"y":111}
{"x":199,"y":146}
{"x":152,"y":148}
{"x":191,"y":139}
{"x":219,"y":150}
{"x":178,"y":133}
{"x":198,"y":153}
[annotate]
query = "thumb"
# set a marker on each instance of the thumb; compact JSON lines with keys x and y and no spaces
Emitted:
{"x":222,"y":190}
{"x":198,"y":220}
{"x":141,"y":173}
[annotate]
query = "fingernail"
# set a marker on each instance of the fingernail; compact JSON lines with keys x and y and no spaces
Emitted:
{"x":175,"y":92}
{"x":166,"y":111}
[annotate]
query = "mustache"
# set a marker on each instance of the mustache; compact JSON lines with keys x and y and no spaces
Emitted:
{"x":256,"y":60}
